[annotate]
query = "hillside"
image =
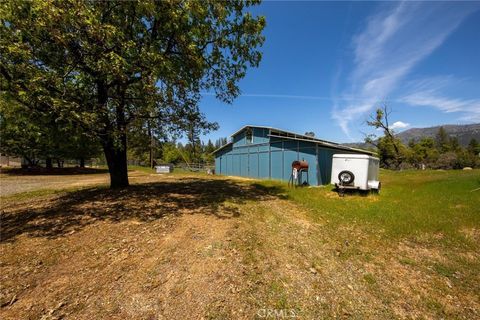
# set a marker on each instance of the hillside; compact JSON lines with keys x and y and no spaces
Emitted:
{"x":464,"y":133}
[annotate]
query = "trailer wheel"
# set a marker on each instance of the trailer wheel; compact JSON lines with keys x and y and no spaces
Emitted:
{"x":346,"y":177}
{"x":377,"y":191}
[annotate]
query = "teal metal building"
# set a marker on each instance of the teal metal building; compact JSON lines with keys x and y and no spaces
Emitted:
{"x":268,"y":153}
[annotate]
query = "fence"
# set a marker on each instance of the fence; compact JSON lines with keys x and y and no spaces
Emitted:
{"x":8,"y":161}
{"x":12,"y":161}
{"x":197,"y":167}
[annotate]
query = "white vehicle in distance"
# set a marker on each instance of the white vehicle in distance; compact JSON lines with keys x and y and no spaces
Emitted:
{"x":355,"y":171}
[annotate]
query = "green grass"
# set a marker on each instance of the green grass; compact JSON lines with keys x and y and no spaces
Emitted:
{"x":369,"y":279}
{"x":176,"y":171}
{"x":411,"y":204}
{"x":444,"y":270}
{"x":141,"y":168}
{"x":433,"y":215}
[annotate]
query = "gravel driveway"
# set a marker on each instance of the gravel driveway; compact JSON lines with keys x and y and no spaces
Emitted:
{"x":22,"y":183}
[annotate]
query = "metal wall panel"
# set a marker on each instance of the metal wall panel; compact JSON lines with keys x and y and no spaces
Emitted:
{"x":325,"y":164}
{"x":236,"y":165}
{"x":220,"y":156}
{"x":264,"y":148}
{"x":288,"y":157}
{"x":290,"y":145}
{"x":310,"y":155}
{"x":253,"y":165}
{"x":239,"y":139}
{"x":264,"y":165}
{"x":260,"y":135}
{"x":276,"y":139}
{"x":223,"y":164}
{"x":244,"y":165}
{"x":276,"y":146}
{"x":228,"y":165}
{"x":305,"y":144}
{"x":217,"y":165}
{"x":276,"y":165}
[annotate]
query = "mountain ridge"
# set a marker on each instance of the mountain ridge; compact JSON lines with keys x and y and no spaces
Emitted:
{"x":464,"y":133}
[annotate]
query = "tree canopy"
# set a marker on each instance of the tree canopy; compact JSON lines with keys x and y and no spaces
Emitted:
{"x":443,"y":152}
{"x":36,"y":135}
{"x":111,"y":65}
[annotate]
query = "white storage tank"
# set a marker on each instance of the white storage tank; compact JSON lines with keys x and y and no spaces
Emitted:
{"x":355,"y":171}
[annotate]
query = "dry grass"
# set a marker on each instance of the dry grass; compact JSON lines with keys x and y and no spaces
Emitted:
{"x":190,"y":246}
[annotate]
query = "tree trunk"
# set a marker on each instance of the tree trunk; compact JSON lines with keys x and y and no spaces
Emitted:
{"x":151,"y":155}
{"x":117,"y":161}
{"x":82,"y":162}
{"x":48,"y":163}
{"x":115,"y":153}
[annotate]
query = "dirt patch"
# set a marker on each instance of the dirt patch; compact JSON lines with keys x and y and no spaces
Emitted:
{"x":40,"y":171}
{"x":125,"y":270}
{"x":177,"y":247}
{"x":13,"y":184}
{"x":472,"y":234}
{"x":155,"y":250}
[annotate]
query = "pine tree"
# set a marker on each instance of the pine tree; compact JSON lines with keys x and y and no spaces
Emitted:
{"x":442,"y":141}
{"x":474,"y":147}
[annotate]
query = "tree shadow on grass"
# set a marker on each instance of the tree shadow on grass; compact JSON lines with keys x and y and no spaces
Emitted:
{"x":142,"y":202}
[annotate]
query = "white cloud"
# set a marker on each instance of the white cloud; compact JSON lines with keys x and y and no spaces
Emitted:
{"x":434,"y":92}
{"x":393,"y":41}
{"x":468,"y":108}
{"x":399,"y":125}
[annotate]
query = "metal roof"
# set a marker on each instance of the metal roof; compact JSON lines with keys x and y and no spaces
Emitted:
{"x":354,"y":156}
{"x":280,"y":133}
{"x":249,"y":126}
{"x":220,"y":148}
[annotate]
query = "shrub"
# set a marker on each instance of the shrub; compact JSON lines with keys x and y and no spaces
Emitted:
{"x":447,"y":160}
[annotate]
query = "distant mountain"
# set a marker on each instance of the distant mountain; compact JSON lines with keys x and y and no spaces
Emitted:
{"x":358,"y":145}
{"x":464,"y":133}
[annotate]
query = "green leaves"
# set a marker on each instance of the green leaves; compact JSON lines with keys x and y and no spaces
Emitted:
{"x":105,"y":64}
{"x":39,"y":135}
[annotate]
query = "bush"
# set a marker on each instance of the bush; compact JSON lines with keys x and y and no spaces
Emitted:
{"x":467,"y":159}
{"x":447,"y":160}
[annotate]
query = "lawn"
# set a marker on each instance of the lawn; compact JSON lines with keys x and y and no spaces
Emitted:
{"x":189,"y":245}
{"x":412,"y":204}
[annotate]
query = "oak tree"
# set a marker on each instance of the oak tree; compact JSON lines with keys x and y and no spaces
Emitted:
{"x":105,"y":64}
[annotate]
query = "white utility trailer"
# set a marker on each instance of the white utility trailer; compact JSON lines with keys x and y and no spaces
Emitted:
{"x":355,"y":171}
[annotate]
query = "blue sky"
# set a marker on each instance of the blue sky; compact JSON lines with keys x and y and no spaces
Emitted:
{"x":327,"y":65}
